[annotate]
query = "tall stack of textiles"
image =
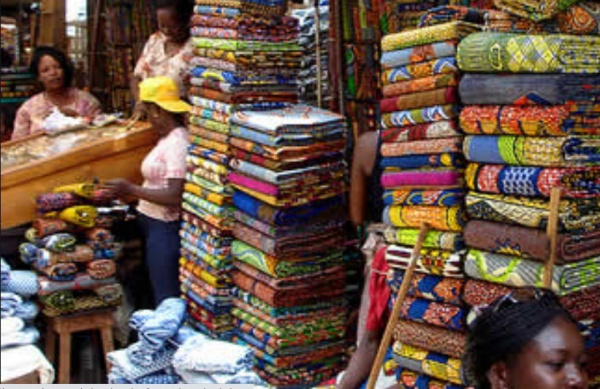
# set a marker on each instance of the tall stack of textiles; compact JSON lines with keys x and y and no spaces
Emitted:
{"x":246,"y":58}
{"x":308,"y":76}
{"x":422,"y":180}
{"x":289,"y":178}
{"x":17,"y":84}
{"x":532,"y":125}
{"x":73,"y":250}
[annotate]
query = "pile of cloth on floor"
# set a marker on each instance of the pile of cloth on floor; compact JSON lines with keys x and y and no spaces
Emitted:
{"x":289,"y":272}
{"x":246,"y":57}
{"x":20,"y":355}
{"x":531,"y":125}
{"x":168,"y":352}
{"x":72,"y":249}
{"x":421,"y":163}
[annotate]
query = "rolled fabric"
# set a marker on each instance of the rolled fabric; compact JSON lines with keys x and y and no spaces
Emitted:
{"x":101,"y":268}
{"x":535,"y":10}
{"x":81,"y":189}
{"x":517,"y":53}
{"x":59,"y":300}
{"x":59,"y":243}
{"x":422,"y":36}
{"x":420,"y":147}
{"x":81,"y":215}
{"x":31,"y":236}
{"x":441,"y":129}
{"x":28,"y":253}
{"x":49,"y":202}
{"x":431,"y":261}
{"x":10,"y":302}
{"x":82,"y":281}
{"x":450,"y":241}
{"x":439,"y":218}
{"x":533,"y":181}
{"x":516,"y":272}
{"x":100,"y":238}
{"x":427,"y":362}
{"x":530,"y":243}
{"x":110,"y":292}
{"x":417,"y":54}
{"x":505,"y":90}
{"x":81,"y":304}
{"x":102,"y":197}
{"x":581,"y":19}
{"x":81,"y":254}
{"x":44,"y":227}
{"x":58,"y":271}
{"x":439,"y":340}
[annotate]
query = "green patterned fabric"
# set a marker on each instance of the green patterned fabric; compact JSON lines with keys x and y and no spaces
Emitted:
{"x":516,"y":271}
{"x":242,"y":45}
{"x":434,"y":239}
{"x":535,"y":9}
{"x":515,"y":53}
{"x":426,"y":35}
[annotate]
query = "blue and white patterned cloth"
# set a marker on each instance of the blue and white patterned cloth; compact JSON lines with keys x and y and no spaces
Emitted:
{"x":23,"y":283}
{"x":156,"y":329}
{"x":4,"y":273}
{"x":124,"y":368}
{"x":212,"y":356}
{"x":13,"y":305}
{"x":160,"y":378}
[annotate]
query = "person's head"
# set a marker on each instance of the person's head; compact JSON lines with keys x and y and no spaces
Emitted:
{"x":52,"y":68}
{"x":525,"y":340}
{"x":173,"y":18}
{"x":162,"y":103}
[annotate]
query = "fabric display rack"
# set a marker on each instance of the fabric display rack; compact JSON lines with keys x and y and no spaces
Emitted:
{"x":288,"y":254}
{"x":422,"y":179}
{"x":246,"y":58}
{"x":531,"y":125}
{"x":17,"y":85}
{"x":71,"y":248}
{"x":314,"y":87}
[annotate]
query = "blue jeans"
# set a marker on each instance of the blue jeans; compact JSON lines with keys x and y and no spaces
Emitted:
{"x":161,"y":240}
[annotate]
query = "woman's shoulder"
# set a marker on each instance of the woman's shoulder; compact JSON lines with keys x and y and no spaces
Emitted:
{"x":34,"y":101}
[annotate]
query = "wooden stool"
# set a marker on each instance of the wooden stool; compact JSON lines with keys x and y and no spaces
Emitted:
{"x":64,"y":326}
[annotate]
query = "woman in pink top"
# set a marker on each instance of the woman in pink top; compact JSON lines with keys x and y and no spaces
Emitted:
{"x":55,"y":72}
{"x":159,"y":196}
{"x":169,"y":50}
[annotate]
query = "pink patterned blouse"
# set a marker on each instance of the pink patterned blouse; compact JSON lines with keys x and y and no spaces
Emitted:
{"x":166,"y":160}
{"x":154,"y":61}
{"x":32,"y":113}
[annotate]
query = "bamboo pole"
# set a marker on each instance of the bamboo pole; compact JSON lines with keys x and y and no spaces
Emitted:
{"x":552,"y":234}
{"x":395,"y":315}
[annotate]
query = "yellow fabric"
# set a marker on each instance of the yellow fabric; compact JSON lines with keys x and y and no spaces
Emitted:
{"x":83,"y":190}
{"x":80,"y":215}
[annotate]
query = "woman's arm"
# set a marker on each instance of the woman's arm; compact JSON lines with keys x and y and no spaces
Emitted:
{"x":22,"y":124}
{"x":169,"y":196}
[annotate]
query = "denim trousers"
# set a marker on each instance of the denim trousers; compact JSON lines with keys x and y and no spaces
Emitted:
{"x":161,"y":241}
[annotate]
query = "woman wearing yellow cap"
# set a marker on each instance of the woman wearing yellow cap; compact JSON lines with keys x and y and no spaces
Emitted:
{"x":159,"y":196}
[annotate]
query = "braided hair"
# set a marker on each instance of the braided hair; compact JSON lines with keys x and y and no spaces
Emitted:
{"x":502,"y":331}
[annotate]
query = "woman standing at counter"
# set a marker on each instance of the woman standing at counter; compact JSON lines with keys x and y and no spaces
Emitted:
{"x":55,"y":72}
{"x":168,"y":50}
{"x":163,"y":170}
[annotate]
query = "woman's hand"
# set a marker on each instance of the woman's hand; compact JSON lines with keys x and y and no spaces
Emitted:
{"x":119,"y":187}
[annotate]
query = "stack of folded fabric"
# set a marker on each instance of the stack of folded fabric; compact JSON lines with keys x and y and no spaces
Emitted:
{"x":149,"y":360}
{"x":73,"y":250}
{"x":18,"y":311}
{"x":246,"y":57}
{"x":307,"y":78}
{"x":288,"y":252}
{"x":533,"y":126}
{"x":422,"y":179}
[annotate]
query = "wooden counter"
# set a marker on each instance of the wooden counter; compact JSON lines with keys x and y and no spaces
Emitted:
{"x":118,"y":156}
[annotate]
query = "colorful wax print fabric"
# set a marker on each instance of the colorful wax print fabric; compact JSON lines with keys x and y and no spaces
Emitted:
{"x":431,"y":338}
{"x":536,"y":9}
{"x":413,"y":380}
{"x":427,"y":83}
{"x":515,"y":53}
{"x":418,"y":116}
{"x":439,"y":218}
{"x":428,"y":287}
{"x":430,"y":261}
{"x":431,"y":363}
{"x":423,"y":36}
{"x":411,"y":72}
{"x":418,"y":100}
{"x":443,"y":197}
{"x":434,"y":313}
{"x":450,"y":241}
{"x":441,"y":129}
{"x":420,"y":147}
{"x":417,"y":54}
{"x":516,"y":271}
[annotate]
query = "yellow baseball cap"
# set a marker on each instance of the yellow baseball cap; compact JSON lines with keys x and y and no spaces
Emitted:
{"x":164,"y":92}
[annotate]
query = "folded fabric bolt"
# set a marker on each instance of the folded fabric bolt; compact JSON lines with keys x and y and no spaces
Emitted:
{"x":140,"y":355}
{"x":441,"y":178}
{"x":431,"y":363}
{"x":412,"y":379}
{"x":59,"y":243}
{"x":432,"y":34}
{"x":82,"y":254}
{"x":110,"y":292}
{"x":450,"y":241}
{"x":440,"y":218}
{"x":80,"y":215}
{"x":160,"y":378}
{"x":50,"y":202}
{"x":5,"y":272}
{"x":20,"y":361}
{"x":82,"y":281}
{"x":124,"y":367}
{"x":100,"y":238}
{"x":435,"y":67}
{"x":430,"y":312}
{"x":436,"y":130}
{"x":422,"y":147}
{"x":419,"y":85}
{"x":23,"y":283}
{"x":443,"y":197}
{"x":535,"y":10}
{"x":431,"y":338}
{"x":418,"y":53}
{"x":11,"y":325}
{"x":479,"y":292}
{"x":436,"y":262}
{"x":429,"y":287}
{"x":81,"y":303}
{"x":241,"y":377}
{"x":29,"y":335}
{"x":27,"y":311}
{"x":59,"y":300}
{"x":530,"y":243}
{"x":10,"y":302}
{"x":412,"y":117}
{"x":101,"y":268}
{"x":164,"y":324}
{"x":28,"y":253}
{"x":515,"y":271}
{"x":519,"y":53}
{"x":44,"y":227}
{"x":211,"y":356}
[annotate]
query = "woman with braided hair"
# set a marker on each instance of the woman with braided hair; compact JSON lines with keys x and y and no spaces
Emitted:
{"x":525,"y":340}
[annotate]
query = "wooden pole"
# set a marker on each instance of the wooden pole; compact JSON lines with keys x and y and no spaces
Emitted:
{"x":318,"y":48}
{"x":552,"y":234}
{"x":95,"y":38}
{"x":395,"y":315}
